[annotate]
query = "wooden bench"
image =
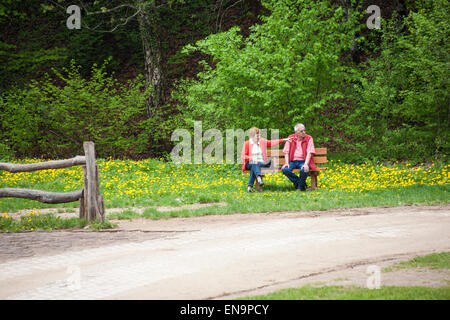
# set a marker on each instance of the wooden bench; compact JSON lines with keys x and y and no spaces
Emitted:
{"x":277,"y":156}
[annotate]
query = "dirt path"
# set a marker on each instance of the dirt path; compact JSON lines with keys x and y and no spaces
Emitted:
{"x":227,"y":256}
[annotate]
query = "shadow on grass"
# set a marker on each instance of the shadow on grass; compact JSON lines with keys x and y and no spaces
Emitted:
{"x":268,"y":187}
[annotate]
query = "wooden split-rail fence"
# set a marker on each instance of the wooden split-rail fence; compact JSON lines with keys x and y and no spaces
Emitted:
{"x":91,"y":201}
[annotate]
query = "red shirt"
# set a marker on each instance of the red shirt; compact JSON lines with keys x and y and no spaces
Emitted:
{"x":304,"y":146}
{"x":298,"y":152}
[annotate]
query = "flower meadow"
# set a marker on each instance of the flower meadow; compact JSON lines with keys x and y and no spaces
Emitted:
{"x":151,"y":182}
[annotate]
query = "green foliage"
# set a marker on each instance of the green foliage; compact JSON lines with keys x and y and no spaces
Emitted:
{"x":7,"y":9}
{"x":403,"y":100}
{"x":5,"y":152}
{"x":286,"y":70}
{"x":30,"y":60}
{"x":293,"y":68}
{"x":54,"y":116}
{"x":28,"y":43}
{"x":25,"y":62}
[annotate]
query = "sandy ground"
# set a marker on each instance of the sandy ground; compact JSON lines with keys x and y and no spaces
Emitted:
{"x":225,"y":256}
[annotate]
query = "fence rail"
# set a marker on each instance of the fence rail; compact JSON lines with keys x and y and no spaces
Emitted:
{"x":41,"y":196}
{"x":57,"y":164}
{"x":91,"y":201}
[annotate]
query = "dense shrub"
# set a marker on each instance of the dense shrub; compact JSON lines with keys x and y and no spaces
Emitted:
{"x":367,"y":95}
{"x":402,"y":109}
{"x":52,"y":117}
{"x":294,"y":68}
{"x":284,"y":72}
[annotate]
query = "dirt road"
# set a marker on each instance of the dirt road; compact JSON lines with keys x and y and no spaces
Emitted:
{"x":221,"y":257}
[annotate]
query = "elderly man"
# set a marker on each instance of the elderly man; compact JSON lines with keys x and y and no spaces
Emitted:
{"x":298,"y":154}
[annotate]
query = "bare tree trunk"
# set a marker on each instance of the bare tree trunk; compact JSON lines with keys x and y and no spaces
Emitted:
{"x":154,"y":74}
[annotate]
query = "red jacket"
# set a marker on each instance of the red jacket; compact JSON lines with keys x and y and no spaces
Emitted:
{"x":263,"y":144}
{"x":304,"y":143}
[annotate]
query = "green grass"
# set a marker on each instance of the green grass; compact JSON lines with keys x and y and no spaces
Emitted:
{"x":433,"y":261}
{"x":47,"y":222}
{"x":356,"y":293}
{"x":314,"y":200}
{"x":124,"y":215}
{"x":150,"y":183}
{"x":150,"y":213}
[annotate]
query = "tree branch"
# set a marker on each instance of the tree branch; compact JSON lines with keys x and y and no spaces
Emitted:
{"x":137,"y":9}
{"x":116,"y":27}
{"x":224,"y":11}
{"x":109,"y":10}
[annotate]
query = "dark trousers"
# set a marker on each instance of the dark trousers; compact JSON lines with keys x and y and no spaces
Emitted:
{"x":298,"y":181}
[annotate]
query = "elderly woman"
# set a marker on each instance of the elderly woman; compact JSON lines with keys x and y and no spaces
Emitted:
{"x":254,"y":156}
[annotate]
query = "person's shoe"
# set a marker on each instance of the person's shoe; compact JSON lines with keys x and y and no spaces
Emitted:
{"x":303,"y":187}
{"x":260,"y":181}
{"x":249,"y":190}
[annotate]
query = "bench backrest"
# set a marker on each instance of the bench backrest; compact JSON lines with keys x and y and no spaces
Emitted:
{"x":277,"y":156}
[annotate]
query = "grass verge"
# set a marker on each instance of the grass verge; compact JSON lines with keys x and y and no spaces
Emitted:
{"x":47,"y":222}
{"x":356,"y":293}
{"x":434,"y":261}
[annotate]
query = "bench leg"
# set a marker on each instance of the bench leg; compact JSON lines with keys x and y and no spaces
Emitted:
{"x":313,"y":180}
{"x":258,"y":186}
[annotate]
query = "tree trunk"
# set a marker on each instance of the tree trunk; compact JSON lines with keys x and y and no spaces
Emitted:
{"x":154,"y":74}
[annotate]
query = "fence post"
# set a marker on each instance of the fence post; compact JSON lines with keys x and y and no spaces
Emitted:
{"x":91,"y":203}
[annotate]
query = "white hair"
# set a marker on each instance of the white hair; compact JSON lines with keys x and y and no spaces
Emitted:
{"x":298,"y":125}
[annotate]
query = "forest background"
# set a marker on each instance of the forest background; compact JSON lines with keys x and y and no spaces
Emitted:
{"x":137,"y":70}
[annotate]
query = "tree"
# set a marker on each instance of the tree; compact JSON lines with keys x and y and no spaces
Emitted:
{"x":109,"y":16}
{"x":287,"y":69}
{"x":403,"y":101}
